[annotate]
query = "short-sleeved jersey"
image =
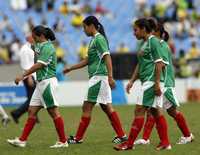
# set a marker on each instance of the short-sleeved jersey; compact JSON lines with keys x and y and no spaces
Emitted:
{"x":98,"y":47}
{"x":170,"y":74}
{"x":149,"y":54}
{"x":45,"y":54}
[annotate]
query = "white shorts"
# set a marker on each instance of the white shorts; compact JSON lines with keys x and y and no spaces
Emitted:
{"x":99,"y":90}
{"x":170,"y":98}
{"x":148,"y":97}
{"x":45,"y":93}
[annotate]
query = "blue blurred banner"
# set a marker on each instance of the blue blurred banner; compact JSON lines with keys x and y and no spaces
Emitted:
{"x":118,"y":93}
{"x":12,"y":95}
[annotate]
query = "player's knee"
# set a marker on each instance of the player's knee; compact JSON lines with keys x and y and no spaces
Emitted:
{"x":31,"y":112}
{"x":172,"y":112}
{"x":139,"y":111}
{"x":53,"y":112}
{"x":156,"y":112}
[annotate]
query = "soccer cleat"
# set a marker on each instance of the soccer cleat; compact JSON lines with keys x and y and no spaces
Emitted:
{"x":123,"y":146}
{"x":185,"y":140}
{"x":73,"y":140}
{"x":16,"y":142}
{"x":142,"y":142}
{"x":59,"y":145}
{"x":163,"y":147}
{"x":118,"y":140}
{"x":5,"y":121}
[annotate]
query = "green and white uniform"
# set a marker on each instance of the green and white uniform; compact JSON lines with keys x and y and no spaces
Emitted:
{"x":149,"y":54}
{"x":169,"y":92}
{"x":45,"y":91}
{"x":99,"y":90}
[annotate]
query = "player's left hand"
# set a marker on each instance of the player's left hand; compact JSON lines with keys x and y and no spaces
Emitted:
{"x":111,"y":82}
{"x":18,"y":79}
{"x":157,"y":89}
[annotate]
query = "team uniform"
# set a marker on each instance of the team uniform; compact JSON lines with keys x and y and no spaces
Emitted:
{"x":149,"y":54}
{"x":99,"y":90}
{"x":45,"y":91}
{"x":44,"y":94}
{"x":170,"y":98}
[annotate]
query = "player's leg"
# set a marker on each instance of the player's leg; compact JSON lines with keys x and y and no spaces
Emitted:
{"x":136,"y":127}
{"x":48,"y":95}
{"x":171,"y":104}
{"x":162,"y":129}
{"x":115,"y":122}
{"x":30,"y":123}
{"x":90,"y":100}
{"x":83,"y":124}
{"x":147,"y":130}
{"x":59,"y":125}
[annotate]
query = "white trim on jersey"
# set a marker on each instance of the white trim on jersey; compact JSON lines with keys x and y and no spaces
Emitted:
{"x":105,"y":53}
{"x":161,"y":60}
{"x":40,"y":61}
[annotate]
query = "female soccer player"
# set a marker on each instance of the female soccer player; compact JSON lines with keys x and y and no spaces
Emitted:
{"x":170,"y":100}
{"x":149,"y":71}
{"x":100,"y":81}
{"x":45,"y":92}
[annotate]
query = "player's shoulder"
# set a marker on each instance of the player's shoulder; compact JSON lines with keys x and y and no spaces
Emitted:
{"x":153,"y":39}
{"x":100,"y":37}
{"x":49,"y":47}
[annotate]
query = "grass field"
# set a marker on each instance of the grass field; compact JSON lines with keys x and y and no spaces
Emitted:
{"x":99,"y":134}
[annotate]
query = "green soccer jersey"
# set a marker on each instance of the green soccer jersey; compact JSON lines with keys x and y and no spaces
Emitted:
{"x":45,"y":54}
{"x":98,"y":47}
{"x":170,"y":74}
{"x":149,"y":54}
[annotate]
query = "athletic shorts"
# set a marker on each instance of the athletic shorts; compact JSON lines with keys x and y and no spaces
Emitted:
{"x":148,"y":97}
{"x":99,"y":90}
{"x":170,"y":98}
{"x":45,"y":93}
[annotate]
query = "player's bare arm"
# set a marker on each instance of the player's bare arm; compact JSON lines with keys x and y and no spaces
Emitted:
{"x":81,"y":64}
{"x":134,"y":77}
{"x":158,"y":69}
{"x":33,"y":69}
{"x":108,"y":61}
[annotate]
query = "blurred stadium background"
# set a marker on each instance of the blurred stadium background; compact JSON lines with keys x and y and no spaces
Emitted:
{"x":17,"y":17}
{"x":180,"y":17}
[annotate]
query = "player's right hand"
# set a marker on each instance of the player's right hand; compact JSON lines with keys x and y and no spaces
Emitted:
{"x":18,"y":79}
{"x":66,"y":70}
{"x":129,"y":86}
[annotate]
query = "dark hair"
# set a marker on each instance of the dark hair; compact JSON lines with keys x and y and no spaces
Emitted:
{"x":143,"y":23}
{"x":163,"y":33}
{"x":158,"y":26}
{"x":98,"y":26}
{"x":42,"y":30}
{"x":153,"y":23}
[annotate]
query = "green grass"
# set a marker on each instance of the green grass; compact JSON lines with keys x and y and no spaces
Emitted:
{"x":99,"y":134}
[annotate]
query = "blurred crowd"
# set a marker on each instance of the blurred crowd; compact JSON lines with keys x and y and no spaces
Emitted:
{"x":180,"y":17}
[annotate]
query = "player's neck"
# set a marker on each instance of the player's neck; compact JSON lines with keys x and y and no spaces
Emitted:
{"x":147,"y":36}
{"x":95,"y":33}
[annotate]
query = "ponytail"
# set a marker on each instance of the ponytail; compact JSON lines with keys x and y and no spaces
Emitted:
{"x":163,"y":33}
{"x":47,"y":32}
